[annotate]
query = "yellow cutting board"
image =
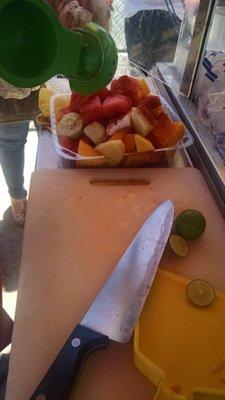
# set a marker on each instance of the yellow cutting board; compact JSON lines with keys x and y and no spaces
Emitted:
{"x":181,"y":347}
{"x":76,"y":231}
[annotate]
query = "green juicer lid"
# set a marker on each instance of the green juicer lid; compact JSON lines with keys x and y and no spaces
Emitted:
{"x":34,"y":47}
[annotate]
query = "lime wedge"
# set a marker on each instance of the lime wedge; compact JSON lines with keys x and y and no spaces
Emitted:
{"x":178,"y":245}
{"x":200,"y":292}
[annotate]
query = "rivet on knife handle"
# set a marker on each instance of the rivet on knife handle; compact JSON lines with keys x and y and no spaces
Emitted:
{"x":64,"y":373}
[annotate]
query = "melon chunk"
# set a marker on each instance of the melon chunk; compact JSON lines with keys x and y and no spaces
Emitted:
{"x":84,"y":149}
{"x":95,"y":132}
{"x":143,"y":144}
{"x":113,"y":150}
{"x":141,"y":124}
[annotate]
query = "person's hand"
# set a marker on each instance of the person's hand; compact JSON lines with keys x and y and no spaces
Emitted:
{"x":75,"y":13}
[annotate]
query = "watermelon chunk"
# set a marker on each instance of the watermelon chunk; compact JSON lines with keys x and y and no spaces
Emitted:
{"x":69,"y":144}
{"x":126,"y":86}
{"x":152,"y":102}
{"x":116,"y":106}
{"x":103,"y":94}
{"x":79,"y":100}
{"x":92,"y":111}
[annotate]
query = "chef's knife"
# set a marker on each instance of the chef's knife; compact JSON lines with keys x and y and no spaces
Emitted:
{"x":115,"y":310}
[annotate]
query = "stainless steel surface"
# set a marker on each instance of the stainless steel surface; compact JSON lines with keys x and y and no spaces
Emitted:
{"x":119,"y":303}
{"x":203,"y":154}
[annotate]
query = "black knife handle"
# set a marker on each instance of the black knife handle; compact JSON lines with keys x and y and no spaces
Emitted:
{"x":64,"y":373}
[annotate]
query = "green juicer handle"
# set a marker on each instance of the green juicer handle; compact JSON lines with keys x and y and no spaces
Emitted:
{"x":34,"y":47}
{"x":97,"y":62}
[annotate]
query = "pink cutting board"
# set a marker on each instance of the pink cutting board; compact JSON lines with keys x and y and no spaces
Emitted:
{"x":75,"y":233}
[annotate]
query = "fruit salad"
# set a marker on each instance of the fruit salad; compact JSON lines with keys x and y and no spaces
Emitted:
{"x":122,"y":123}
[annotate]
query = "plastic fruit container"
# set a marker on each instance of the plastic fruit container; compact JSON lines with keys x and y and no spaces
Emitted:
{"x":130,"y":160}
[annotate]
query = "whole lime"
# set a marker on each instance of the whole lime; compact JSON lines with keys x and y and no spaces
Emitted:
{"x":190,"y":224}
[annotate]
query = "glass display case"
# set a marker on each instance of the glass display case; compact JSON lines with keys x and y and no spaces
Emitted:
{"x":180,"y":43}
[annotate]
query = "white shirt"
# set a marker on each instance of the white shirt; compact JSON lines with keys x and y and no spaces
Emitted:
{"x":131,"y":7}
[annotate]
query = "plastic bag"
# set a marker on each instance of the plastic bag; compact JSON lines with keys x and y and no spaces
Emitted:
{"x":210,"y":95}
{"x":210,"y":90}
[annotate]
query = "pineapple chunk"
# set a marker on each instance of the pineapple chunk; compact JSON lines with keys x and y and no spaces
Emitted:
{"x":143,"y":90}
{"x":141,"y":124}
{"x":95,"y":132}
{"x":113,"y":150}
{"x":44,"y":101}
{"x":144,"y":87}
{"x":143,"y":144}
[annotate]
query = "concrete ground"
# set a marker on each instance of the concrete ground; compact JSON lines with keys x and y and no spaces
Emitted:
{"x":11,"y":238}
{"x":11,"y":235}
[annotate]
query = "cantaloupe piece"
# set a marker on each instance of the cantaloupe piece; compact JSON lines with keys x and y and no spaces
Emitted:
{"x":143,"y":144}
{"x":113,"y":150}
{"x":85,"y":150}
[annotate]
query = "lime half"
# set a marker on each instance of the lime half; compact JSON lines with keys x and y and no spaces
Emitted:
{"x":190,"y":224}
{"x":200,"y":292}
{"x":178,"y":245}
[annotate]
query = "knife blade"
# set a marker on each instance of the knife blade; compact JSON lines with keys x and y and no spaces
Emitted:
{"x":115,"y":310}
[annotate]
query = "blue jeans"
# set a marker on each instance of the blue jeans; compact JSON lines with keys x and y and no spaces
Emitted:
{"x":13,"y":137}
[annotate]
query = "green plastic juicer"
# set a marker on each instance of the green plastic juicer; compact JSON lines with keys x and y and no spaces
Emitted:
{"x":34,"y":47}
